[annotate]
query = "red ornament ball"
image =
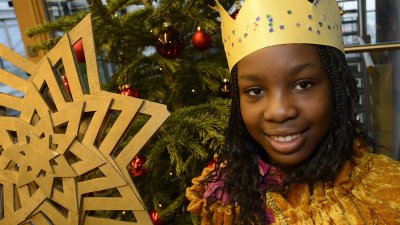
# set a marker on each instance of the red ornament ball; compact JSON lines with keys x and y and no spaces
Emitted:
{"x":225,"y":89}
{"x":201,"y":40}
{"x":79,"y":53}
{"x":155,"y":218}
{"x":128,"y":90}
{"x":170,"y":43}
{"x":137,"y":166}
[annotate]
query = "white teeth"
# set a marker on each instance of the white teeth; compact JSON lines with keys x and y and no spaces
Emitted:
{"x":285,"y":138}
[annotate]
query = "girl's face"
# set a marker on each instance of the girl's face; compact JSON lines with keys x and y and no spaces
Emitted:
{"x":286,"y":100}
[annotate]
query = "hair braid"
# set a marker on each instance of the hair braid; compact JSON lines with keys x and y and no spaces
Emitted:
{"x":241,"y":155}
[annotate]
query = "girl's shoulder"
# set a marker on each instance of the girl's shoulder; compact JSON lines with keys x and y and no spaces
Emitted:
{"x":375,"y":169}
{"x":376,"y":174}
{"x":365,"y":191}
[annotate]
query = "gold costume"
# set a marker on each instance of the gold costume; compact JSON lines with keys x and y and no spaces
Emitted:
{"x":365,"y":191}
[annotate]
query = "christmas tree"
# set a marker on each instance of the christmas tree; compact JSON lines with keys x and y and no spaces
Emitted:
{"x":167,"y":51}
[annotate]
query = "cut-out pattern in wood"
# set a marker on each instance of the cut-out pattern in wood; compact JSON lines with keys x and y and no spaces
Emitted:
{"x":62,"y":160}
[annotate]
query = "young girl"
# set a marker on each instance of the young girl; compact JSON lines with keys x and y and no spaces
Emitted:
{"x":294,"y":152}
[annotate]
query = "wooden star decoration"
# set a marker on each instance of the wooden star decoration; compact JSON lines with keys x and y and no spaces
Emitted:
{"x":62,"y":160}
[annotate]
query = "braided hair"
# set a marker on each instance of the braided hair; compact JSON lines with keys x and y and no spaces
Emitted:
{"x":241,"y":175}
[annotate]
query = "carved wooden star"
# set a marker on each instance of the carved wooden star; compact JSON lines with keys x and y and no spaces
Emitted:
{"x":62,"y":160}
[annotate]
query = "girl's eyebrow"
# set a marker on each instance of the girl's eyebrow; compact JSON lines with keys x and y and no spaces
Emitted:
{"x":297,"y":69}
{"x":292,"y":71}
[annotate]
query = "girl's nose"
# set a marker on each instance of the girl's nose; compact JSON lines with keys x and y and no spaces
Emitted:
{"x":280,"y":108}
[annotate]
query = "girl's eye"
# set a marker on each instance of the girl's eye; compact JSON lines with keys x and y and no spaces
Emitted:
{"x":254,"y":91}
{"x":303,"y":85}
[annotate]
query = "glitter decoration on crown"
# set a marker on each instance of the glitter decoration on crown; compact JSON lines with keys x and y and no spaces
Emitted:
{"x":263,"y":23}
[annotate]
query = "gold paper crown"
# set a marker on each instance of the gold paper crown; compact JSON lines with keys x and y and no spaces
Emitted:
{"x":263,"y":23}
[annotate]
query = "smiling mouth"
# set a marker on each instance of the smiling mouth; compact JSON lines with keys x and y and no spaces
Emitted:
{"x":287,"y":144}
{"x":287,"y":138}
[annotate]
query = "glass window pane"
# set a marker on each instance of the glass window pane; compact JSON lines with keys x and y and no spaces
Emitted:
{"x":58,"y":8}
{"x":378,"y":108}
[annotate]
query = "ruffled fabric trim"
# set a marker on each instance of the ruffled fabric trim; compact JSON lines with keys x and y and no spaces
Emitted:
{"x":218,"y":213}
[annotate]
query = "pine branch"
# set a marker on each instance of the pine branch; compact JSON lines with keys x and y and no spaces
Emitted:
{"x":97,"y":7}
{"x":46,"y":45}
{"x":190,"y":131}
{"x":115,"y":5}
{"x":65,"y":23}
{"x":173,"y":206}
